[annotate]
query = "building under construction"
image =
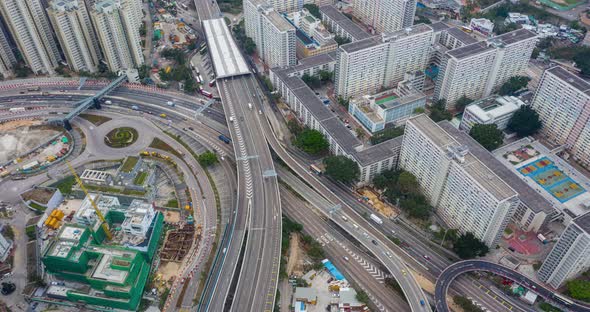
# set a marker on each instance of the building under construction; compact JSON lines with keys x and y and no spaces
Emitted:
{"x":95,"y":270}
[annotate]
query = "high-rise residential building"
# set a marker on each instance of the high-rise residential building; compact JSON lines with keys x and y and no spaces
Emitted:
{"x":571,"y":254}
{"x":466,"y":194}
{"x":478,"y":69}
{"x":75,"y":33}
{"x":365,"y":66}
{"x":274,"y":36}
{"x":29,"y":27}
{"x":7,"y":57}
{"x":283,"y":6}
{"x":117,"y":27}
{"x":563,"y":103}
{"x":385,"y":15}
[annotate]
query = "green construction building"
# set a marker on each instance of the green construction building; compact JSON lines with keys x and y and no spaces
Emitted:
{"x":105,"y":274}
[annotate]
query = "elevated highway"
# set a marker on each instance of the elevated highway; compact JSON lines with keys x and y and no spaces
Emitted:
{"x":455,"y":270}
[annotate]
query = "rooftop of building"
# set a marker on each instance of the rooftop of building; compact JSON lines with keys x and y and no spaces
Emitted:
{"x":227,"y":59}
{"x":359,"y":45}
{"x":278,"y":21}
{"x":112,"y":257}
{"x":439,"y":26}
{"x":460,"y":35}
{"x":407,"y":32}
{"x":41,"y":195}
{"x":493,"y":107}
{"x":572,"y":79}
{"x":307,"y":293}
{"x":484,"y":175}
{"x":535,"y":201}
{"x":340,"y":133}
{"x":470,"y":50}
{"x":378,"y":152}
{"x":513,"y":37}
{"x":583,"y":222}
{"x":345,"y":23}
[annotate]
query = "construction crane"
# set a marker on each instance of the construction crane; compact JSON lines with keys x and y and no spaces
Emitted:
{"x":105,"y":227}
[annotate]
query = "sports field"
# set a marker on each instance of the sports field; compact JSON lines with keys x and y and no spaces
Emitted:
{"x":553,"y":180}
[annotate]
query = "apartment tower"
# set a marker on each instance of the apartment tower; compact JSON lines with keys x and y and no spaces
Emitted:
{"x":385,"y":15}
{"x":29,"y":27}
{"x":75,"y":33}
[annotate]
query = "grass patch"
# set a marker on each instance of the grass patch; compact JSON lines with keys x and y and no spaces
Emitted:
{"x":30,"y":231}
{"x":97,"y":120}
{"x":65,"y":185}
{"x":36,"y":206}
{"x":129,"y":164}
{"x":140,"y":178}
{"x":161,"y":145}
{"x":121,"y":137}
{"x":173,"y":203}
{"x":108,"y":189}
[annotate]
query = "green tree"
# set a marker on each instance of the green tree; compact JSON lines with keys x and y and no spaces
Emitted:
{"x":468,"y":246}
{"x":341,"y":40}
{"x":416,"y":206}
{"x":579,"y":289}
{"x":295,"y":127}
{"x":312,"y":142}
{"x":421,"y":20}
{"x":325,"y":75}
{"x":8,"y":232}
{"x":514,"y":84}
{"x":386,"y":135}
{"x":525,"y":121}
{"x":466,"y":304}
{"x":190,"y":85}
{"x":548,"y":308}
{"x":362,"y":296}
{"x":208,"y":159}
{"x":313,"y":10}
{"x":462,"y":102}
{"x":344,"y":102}
{"x":439,"y":112}
{"x":407,"y":183}
{"x":144,"y":71}
{"x":489,"y":136}
{"x":249,"y":45}
{"x":502,"y":28}
{"x":341,"y":168}
{"x":311,"y":81}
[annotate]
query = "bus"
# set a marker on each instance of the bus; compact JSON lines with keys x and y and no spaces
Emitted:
{"x":198,"y":79}
{"x":207,"y":94}
{"x":201,"y":78}
{"x":315,"y":169}
{"x":224,"y":139}
{"x":192,"y":65}
{"x":563,"y":300}
{"x":34,"y":88}
{"x":212,"y":83}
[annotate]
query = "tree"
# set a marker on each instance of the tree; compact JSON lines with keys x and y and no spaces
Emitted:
{"x":438,"y":111}
{"x":8,"y":232}
{"x":502,"y":28}
{"x":344,"y":102}
{"x":313,"y":10}
{"x":208,"y":159}
{"x":249,"y":45}
{"x":325,"y":75}
{"x":462,"y":102}
{"x":341,"y":168}
{"x":362,"y":296}
{"x":294,"y":127}
{"x":407,"y":183}
{"x":341,"y":40}
{"x":312,"y":142}
{"x":311,"y":81}
{"x":386,"y":135}
{"x":190,"y":85}
{"x":514,"y":84}
{"x":468,"y":246}
{"x":489,"y":136}
{"x":579,"y":289}
{"x":416,"y":206}
{"x":144,"y":71}
{"x":525,"y":121}
{"x":422,"y":20}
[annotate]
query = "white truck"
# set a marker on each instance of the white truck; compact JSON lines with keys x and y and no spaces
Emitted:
{"x":376,"y":219}
{"x":231,"y":118}
{"x":170,"y":103}
{"x":134,"y":107}
{"x":250,"y":105}
{"x":107,"y":102}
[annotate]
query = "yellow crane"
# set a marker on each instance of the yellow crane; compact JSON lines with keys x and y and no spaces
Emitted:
{"x":105,"y":227}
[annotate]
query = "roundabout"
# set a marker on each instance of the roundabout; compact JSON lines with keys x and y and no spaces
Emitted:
{"x":121,"y":137}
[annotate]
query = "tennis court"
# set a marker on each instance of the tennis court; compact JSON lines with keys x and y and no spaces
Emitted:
{"x":556,"y":182}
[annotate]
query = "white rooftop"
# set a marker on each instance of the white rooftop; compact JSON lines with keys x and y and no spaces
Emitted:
{"x":491,"y":110}
{"x":227,"y":59}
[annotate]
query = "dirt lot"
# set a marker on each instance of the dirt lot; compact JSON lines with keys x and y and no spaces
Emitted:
{"x":17,"y":138}
{"x":294,"y":255}
{"x":171,"y":216}
{"x":168,"y":270}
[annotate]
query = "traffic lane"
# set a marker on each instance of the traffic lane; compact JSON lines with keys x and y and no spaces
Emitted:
{"x":259,"y":250}
{"x":314,"y":225}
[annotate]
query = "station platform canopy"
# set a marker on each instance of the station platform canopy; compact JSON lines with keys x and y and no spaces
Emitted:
{"x":226,"y":57}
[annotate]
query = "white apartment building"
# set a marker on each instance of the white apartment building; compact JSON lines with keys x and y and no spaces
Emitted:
{"x":361,"y":67}
{"x":365,"y":66}
{"x":409,"y":51}
{"x":466,"y":194}
{"x":563,"y":103}
{"x":116,"y":25}
{"x":492,"y":110}
{"x":7,"y":57}
{"x":385,"y":15}
{"x":295,"y":5}
{"x":274,"y":36}
{"x":341,"y":25}
{"x":5,"y":247}
{"x":477,"y":70}
{"x":75,"y":34}
{"x":29,"y":27}
{"x":571,"y":254}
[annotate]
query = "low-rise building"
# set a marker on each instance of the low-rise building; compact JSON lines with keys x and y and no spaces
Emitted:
{"x":5,"y":247}
{"x":517,"y":18}
{"x":482,"y":25}
{"x":377,"y":111}
{"x":312,"y":37}
{"x":492,"y":110}
{"x":97,"y":177}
